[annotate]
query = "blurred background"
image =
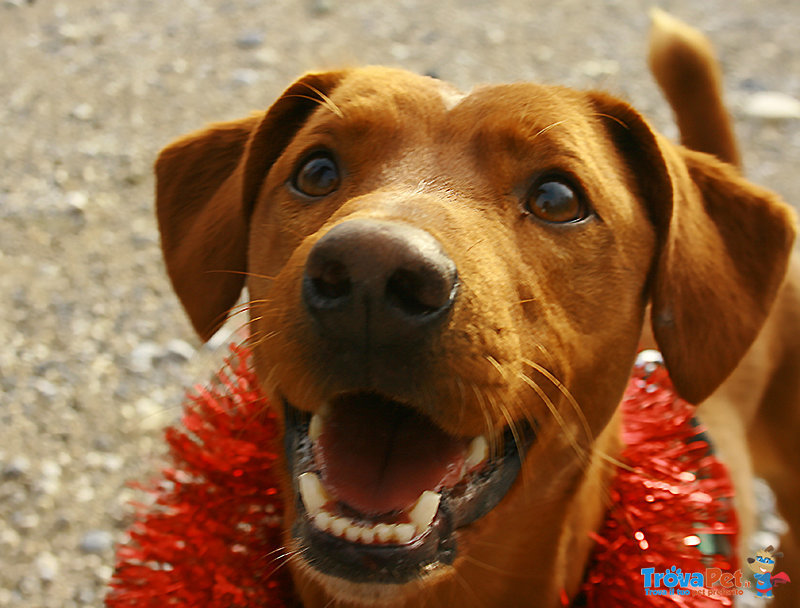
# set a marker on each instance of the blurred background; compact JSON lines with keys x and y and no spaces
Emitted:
{"x":96,"y":352}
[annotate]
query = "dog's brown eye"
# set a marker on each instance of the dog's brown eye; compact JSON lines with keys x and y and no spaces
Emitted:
{"x":552,"y":200}
{"x":317,"y":176}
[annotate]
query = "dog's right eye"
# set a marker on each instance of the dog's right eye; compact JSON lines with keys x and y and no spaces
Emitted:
{"x":556,"y":201}
{"x":317,"y":176}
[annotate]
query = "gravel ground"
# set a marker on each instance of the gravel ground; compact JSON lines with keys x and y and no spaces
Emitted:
{"x":96,"y":350}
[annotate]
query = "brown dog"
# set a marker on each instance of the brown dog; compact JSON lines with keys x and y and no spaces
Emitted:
{"x":447,"y":295}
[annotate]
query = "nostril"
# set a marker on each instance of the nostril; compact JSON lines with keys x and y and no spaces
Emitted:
{"x":329,"y":282}
{"x":419,"y":292}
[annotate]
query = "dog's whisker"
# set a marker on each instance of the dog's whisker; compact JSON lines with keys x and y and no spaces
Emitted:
{"x":286,"y":559}
{"x":324,"y":100}
{"x":242,"y":272}
{"x":238,"y":309}
{"x":513,"y":424}
{"x":280,"y":549}
{"x":620,"y":122}
{"x":519,"y":443}
{"x":475,"y":244}
{"x":278,"y":556}
{"x":461,"y":399}
{"x":492,"y":568}
{"x":615,"y":461}
{"x":579,"y":450}
{"x":500,"y":407}
{"x":253,"y":344}
{"x":468,"y":588}
{"x":330,"y":602}
{"x":567,"y":394}
{"x":247,"y":306}
{"x":548,"y":128}
{"x":487,"y":416}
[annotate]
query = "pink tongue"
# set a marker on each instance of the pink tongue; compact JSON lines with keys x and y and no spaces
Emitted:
{"x":377,"y":456}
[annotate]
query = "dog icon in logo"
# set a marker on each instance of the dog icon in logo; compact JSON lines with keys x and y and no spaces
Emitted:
{"x":762,"y":566}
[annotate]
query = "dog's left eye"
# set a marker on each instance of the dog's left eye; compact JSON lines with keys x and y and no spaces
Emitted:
{"x":555,"y":201}
{"x":317,"y":176}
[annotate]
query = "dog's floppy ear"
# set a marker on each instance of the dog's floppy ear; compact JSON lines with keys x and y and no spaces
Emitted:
{"x":206,"y":185}
{"x":723,"y":247}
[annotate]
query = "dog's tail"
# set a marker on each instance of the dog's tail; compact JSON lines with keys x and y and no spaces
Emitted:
{"x":683,"y":63}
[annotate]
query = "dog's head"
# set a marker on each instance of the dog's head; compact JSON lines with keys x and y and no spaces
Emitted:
{"x":764,"y":561}
{"x":446,"y":296}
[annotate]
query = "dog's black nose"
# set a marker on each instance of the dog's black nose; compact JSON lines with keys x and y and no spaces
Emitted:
{"x":378,"y":281}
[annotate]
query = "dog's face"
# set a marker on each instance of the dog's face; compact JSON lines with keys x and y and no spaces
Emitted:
{"x":447,"y":292}
{"x":762,"y":563}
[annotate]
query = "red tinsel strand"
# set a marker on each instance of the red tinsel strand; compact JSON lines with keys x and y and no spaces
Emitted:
{"x":213,"y":536}
{"x":674,"y":490}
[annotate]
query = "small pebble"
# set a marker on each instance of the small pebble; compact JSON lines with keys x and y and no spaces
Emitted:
{"x":142,"y":357}
{"x":250,"y":39}
{"x":86,"y":596}
{"x":24,"y":520}
{"x":29,"y":585}
{"x":47,"y":566}
{"x":320,"y":8}
{"x":83,"y":111}
{"x":597,"y":68}
{"x":244,"y":77}
{"x":772,"y":105}
{"x":179,"y":350}
{"x":19,"y":466}
{"x":9,"y":540}
{"x":77,"y":200}
{"x":151,"y":415}
{"x":96,"y":542}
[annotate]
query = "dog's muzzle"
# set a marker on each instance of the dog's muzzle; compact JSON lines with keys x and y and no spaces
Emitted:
{"x":380,"y":489}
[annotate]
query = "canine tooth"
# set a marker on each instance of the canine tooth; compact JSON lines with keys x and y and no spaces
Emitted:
{"x":339,"y":525}
{"x":478,"y":452}
{"x":384,"y":532}
{"x":404,"y":533}
{"x":315,"y":427}
{"x":423,"y":512}
{"x":323,"y":520}
{"x":313,"y":494}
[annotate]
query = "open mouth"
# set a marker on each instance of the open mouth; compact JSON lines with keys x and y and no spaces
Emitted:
{"x":380,"y":490}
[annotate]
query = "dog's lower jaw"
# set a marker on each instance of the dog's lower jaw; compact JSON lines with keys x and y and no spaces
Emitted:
{"x":317,"y":590}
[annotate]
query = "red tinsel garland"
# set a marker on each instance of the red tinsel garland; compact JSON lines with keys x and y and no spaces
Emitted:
{"x":212,"y":537}
{"x":673,"y":492}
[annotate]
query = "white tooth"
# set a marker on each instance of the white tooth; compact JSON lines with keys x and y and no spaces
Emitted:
{"x":323,"y":520}
{"x":368,"y":536}
{"x":313,"y":494}
{"x":423,"y":512}
{"x":478,"y":452}
{"x":353,"y":533}
{"x":384,"y":532}
{"x":340,"y":524}
{"x":315,"y":427}
{"x":404,"y":533}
